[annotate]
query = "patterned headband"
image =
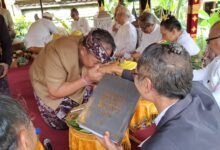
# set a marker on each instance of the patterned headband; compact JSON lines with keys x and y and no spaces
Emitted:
{"x":95,"y":47}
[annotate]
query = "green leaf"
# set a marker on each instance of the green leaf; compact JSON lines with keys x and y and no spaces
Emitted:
{"x":214,"y":18}
{"x":203,"y":15}
{"x":204,"y":23}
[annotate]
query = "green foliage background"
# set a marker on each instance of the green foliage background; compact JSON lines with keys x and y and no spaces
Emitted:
{"x":21,"y":27}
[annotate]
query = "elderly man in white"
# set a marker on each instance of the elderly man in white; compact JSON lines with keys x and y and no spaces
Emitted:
{"x":150,"y":33}
{"x":79,"y":23}
{"x":40,"y":32}
{"x":210,"y":75}
{"x":126,"y":36}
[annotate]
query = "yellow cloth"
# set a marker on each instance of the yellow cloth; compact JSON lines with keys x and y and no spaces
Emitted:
{"x":128,"y":65}
{"x":84,"y":141}
{"x":145,"y":111}
{"x":77,"y":33}
{"x":39,"y":146}
{"x":56,"y":36}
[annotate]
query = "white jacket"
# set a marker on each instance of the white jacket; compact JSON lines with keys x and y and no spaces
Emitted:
{"x":210,"y":76}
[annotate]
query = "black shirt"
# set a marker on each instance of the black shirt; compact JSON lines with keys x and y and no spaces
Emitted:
{"x":5,"y":43}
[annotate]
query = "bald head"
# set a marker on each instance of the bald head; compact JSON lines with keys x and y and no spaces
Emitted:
{"x":214,"y":38}
{"x":215,"y":30}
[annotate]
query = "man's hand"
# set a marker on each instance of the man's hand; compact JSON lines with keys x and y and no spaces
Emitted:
{"x":110,"y":68}
{"x":5,"y":71}
{"x":115,"y":28}
{"x":136,"y":56}
{"x":94,"y":75}
{"x":107,"y":143}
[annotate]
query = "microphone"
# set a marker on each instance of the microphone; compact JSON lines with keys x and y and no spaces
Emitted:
{"x":47,"y":144}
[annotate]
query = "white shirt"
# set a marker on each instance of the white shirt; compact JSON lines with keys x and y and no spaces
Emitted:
{"x":210,"y":76}
{"x":188,"y":43}
{"x":126,"y":39}
{"x":148,"y":38}
{"x":160,"y":116}
{"x":81,"y":25}
{"x":40,"y":33}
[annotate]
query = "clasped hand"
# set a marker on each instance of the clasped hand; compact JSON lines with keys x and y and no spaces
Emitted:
{"x":94,"y":75}
{"x":5,"y":69}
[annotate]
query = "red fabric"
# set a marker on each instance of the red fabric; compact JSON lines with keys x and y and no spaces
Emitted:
{"x":143,"y":134}
{"x":20,"y":86}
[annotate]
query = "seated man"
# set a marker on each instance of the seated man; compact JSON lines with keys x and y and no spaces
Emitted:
{"x":115,"y":25}
{"x":210,"y":75}
{"x":188,"y":114}
{"x":40,"y":33}
{"x":79,"y":23}
{"x":17,"y":131}
{"x":63,"y":74}
{"x":126,"y":35}
{"x":150,"y":33}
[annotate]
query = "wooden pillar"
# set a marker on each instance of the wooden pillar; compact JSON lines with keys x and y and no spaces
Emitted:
{"x":121,"y":2}
{"x":41,"y":8}
{"x":192,"y":17}
{"x":143,"y":4}
{"x":3,"y":4}
{"x":101,"y":2}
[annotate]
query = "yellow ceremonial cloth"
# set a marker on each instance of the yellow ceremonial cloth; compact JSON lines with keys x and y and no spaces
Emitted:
{"x":83,"y":141}
{"x":145,"y":111}
{"x":56,"y":36}
{"x":39,"y":146}
{"x":129,"y":65}
{"x":77,"y":33}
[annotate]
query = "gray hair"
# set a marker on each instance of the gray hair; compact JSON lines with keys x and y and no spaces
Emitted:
{"x":125,"y":10}
{"x":12,"y":117}
{"x":147,"y":18}
{"x":169,"y":68}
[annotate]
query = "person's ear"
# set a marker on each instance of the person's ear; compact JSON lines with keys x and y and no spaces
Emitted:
{"x":147,"y":85}
{"x":82,"y":50}
{"x":22,"y":139}
{"x":174,"y":31}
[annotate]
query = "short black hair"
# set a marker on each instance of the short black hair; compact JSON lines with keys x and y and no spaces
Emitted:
{"x":12,"y":116}
{"x":147,"y":19}
{"x":102,"y":36}
{"x":74,"y":10}
{"x":170,"y":22}
{"x":169,"y":68}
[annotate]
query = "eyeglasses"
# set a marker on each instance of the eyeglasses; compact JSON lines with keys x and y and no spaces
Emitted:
{"x":213,"y":38}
